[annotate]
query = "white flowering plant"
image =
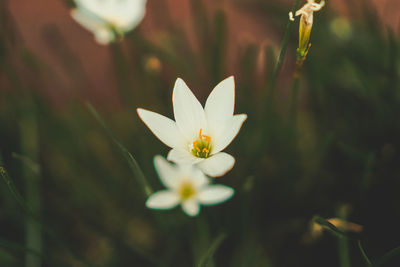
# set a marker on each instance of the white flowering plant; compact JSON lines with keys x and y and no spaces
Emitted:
{"x":195,"y":135}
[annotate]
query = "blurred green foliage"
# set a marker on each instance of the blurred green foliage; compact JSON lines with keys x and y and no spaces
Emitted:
{"x":340,"y":148}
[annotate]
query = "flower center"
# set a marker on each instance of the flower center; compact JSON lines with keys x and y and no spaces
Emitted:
{"x":186,"y":191}
{"x":201,"y":148}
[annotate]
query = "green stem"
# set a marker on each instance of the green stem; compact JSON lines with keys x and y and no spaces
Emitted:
{"x":343,"y":242}
{"x":29,"y":146}
{"x":272,"y":84}
{"x":121,"y":73}
{"x":294,"y":96}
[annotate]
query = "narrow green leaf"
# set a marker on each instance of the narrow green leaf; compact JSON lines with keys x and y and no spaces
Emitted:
{"x":12,"y":186}
{"x":21,"y":201}
{"x":211,"y":250}
{"x":32,"y":165}
{"x":18,"y":247}
{"x":271,"y":86}
{"x":363,"y":253}
{"x":388,"y":256}
{"x":134,"y":166}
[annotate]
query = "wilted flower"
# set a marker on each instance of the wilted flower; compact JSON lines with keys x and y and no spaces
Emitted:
{"x":108,"y":19}
{"x":306,"y":22}
{"x":197,"y":136}
{"x":186,"y":185}
{"x":316,"y":229}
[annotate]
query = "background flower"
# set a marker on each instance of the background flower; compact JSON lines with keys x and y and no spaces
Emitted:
{"x":186,"y":185}
{"x":108,"y":18}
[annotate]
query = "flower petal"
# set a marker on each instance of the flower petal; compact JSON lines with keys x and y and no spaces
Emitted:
{"x":231,"y":129}
{"x":164,"y":199}
{"x":220,"y":104}
{"x":94,"y":24}
{"x":121,"y":14}
{"x":188,"y":112}
{"x":217,"y":165}
{"x":162,"y":127}
{"x":181,"y":156}
{"x":191,"y":207}
{"x":193,"y":173}
{"x":215,"y":194}
{"x":167,"y":172}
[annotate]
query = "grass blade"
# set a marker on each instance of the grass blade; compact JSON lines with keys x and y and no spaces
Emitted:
{"x":363,"y":253}
{"x":271,"y":85}
{"x":134,"y":166}
{"x":210,"y":252}
{"x":11,"y":186}
{"x":18,"y":247}
{"x":47,"y":230}
{"x":394,"y":252}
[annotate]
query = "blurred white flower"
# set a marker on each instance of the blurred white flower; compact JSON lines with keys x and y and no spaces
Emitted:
{"x":306,"y":23}
{"x":186,"y":185}
{"x":108,"y":18}
{"x":197,"y":136}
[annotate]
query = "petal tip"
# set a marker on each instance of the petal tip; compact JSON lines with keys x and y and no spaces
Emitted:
{"x":178,"y":83}
{"x":140,"y":112}
{"x":231,"y":78}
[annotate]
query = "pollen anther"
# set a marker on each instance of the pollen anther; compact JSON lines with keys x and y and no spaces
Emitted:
{"x":202,"y":146}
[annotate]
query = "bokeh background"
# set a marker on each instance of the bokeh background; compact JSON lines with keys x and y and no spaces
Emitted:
{"x":333,"y":150}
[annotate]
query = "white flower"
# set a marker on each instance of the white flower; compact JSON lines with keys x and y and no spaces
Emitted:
{"x":186,"y":185}
{"x":197,"y":136}
{"x":106,"y":18}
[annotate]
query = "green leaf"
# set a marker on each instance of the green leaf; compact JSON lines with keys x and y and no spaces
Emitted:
{"x":388,"y":256}
{"x":363,"y":253}
{"x":211,"y":250}
{"x":134,"y":166}
{"x":12,"y":186}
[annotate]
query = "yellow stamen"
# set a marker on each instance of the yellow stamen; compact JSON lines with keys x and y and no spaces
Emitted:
{"x":187,"y":190}
{"x":202,"y":146}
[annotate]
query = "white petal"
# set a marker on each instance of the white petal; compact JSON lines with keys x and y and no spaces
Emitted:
{"x":217,"y":165}
{"x":162,"y":127}
{"x":181,"y":156}
{"x":215,"y":194}
{"x":220,"y":104}
{"x":231,"y":129}
{"x":191,"y":207}
{"x":167,"y":172}
{"x":164,"y":199}
{"x":104,"y":36}
{"x":188,"y":112}
{"x":123,"y":14}
{"x":195,"y":175}
{"x":94,"y":24}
